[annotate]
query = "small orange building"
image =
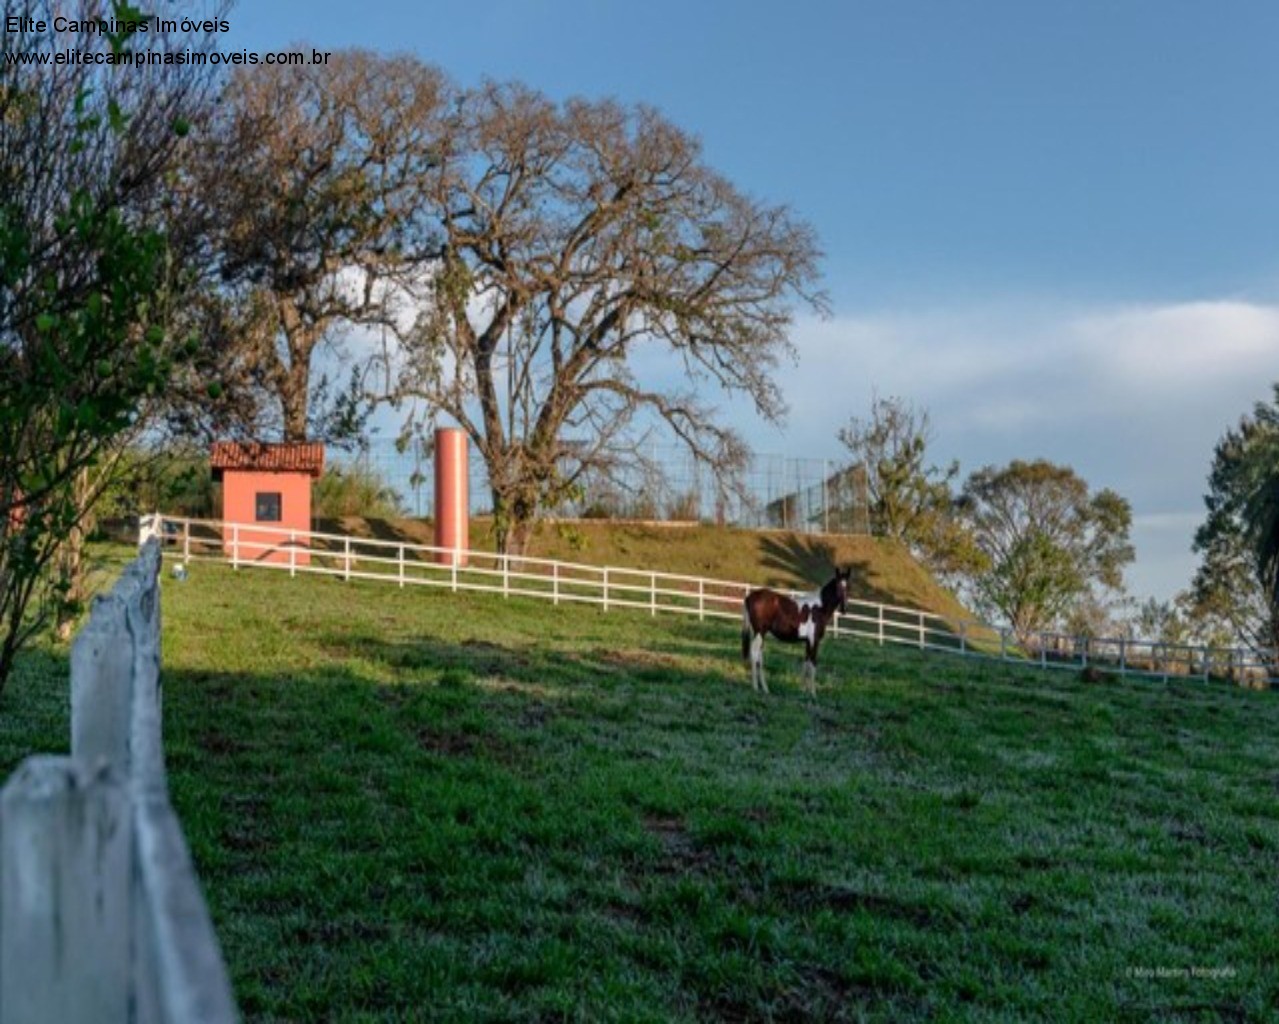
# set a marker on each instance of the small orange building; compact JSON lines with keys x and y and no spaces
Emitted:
{"x":267,"y":484}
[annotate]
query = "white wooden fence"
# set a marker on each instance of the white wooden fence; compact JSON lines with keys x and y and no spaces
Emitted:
{"x":407,"y":564}
{"x":101,"y":914}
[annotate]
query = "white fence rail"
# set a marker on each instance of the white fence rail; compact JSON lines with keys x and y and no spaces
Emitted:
{"x":101,"y":914}
{"x":406,"y":564}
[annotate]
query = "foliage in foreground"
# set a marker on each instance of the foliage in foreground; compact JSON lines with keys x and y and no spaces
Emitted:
{"x":1237,"y":583}
{"x":87,"y":283}
{"x":425,"y":806}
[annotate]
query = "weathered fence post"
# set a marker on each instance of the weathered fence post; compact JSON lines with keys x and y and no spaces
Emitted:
{"x":101,"y":914}
{"x":102,"y":687}
{"x":66,"y":853}
{"x":701,"y":600}
{"x":606,"y":588}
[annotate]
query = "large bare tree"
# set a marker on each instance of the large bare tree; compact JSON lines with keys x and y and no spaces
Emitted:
{"x":576,"y":238}
{"x":310,"y":190}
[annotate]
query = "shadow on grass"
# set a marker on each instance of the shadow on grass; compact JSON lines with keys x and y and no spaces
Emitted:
{"x":500,"y":825}
{"x":813,"y":561}
{"x":798,"y":559}
{"x":431,"y":659}
{"x":35,"y":712}
{"x":472,"y":811}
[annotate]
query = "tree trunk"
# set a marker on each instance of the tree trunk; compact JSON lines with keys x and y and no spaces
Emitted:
{"x":513,"y":518}
{"x":71,"y":562}
{"x":294,"y":380}
{"x":293,"y":399}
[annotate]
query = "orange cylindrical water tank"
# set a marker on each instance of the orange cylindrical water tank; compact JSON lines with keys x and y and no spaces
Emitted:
{"x":452,"y":502}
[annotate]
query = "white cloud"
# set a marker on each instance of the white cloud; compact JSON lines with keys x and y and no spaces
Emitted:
{"x":1134,"y":397}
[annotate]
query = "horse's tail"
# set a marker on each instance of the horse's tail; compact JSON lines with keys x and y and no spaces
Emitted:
{"x":746,"y":631}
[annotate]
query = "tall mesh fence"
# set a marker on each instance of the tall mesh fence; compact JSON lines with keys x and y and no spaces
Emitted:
{"x":809,"y":495}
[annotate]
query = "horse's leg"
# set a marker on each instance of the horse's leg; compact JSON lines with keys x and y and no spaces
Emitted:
{"x":757,"y":663}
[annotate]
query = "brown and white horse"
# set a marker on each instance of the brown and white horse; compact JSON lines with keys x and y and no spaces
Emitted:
{"x":790,"y":619}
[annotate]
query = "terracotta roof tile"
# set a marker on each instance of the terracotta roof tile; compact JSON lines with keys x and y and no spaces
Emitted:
{"x":258,"y":456}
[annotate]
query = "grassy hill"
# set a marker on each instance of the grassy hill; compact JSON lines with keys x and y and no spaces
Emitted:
{"x":882,"y":569}
{"x":416,"y":805}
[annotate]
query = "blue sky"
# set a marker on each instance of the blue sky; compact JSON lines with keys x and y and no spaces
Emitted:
{"x":1054,"y":225}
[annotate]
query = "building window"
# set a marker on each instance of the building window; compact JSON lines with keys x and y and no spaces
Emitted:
{"x":267,"y":506}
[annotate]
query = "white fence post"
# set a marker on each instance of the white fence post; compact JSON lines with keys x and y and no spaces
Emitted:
{"x":652,"y":594}
{"x":555,"y":582}
{"x":701,"y":600}
{"x":606,"y":588}
{"x":401,"y":566}
{"x":148,"y":526}
{"x":881,"y":625}
{"x":506,"y":575}
{"x":102,"y":687}
{"x":235,"y":545}
{"x":64,"y":909}
{"x":346,"y":559}
{"x":101,"y":914}
{"x":921,"y":631}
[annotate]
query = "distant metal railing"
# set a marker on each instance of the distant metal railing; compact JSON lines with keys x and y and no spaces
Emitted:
{"x":657,"y":482}
{"x":407,"y":564}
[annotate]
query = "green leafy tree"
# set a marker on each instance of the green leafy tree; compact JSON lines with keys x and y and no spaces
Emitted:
{"x":911,"y":500}
{"x":1236,"y":586}
{"x":1050,"y":545}
{"x":86,"y":288}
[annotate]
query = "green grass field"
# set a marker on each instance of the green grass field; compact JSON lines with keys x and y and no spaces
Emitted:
{"x":410,"y":805}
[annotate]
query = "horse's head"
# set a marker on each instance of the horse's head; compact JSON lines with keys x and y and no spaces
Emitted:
{"x":838,"y":588}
